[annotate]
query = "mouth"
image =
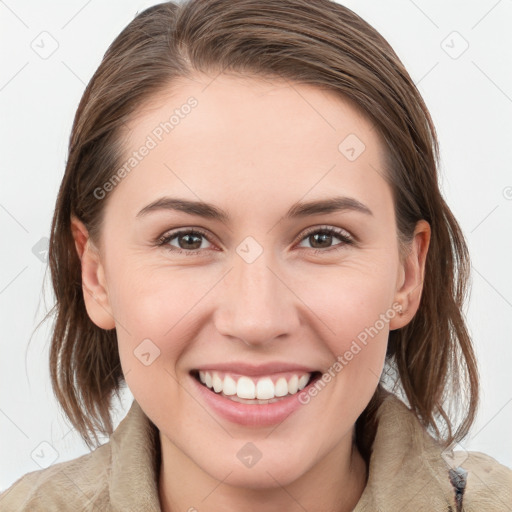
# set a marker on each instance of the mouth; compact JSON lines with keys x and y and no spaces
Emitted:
{"x":253,"y":390}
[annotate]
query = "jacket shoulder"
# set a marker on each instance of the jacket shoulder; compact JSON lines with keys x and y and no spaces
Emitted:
{"x":488,"y":483}
{"x":78,"y":484}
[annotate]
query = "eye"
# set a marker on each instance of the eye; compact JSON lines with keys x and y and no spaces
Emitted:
{"x":323,"y":236}
{"x":189,"y":240}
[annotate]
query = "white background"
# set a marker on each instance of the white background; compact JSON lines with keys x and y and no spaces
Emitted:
{"x":469,"y":97}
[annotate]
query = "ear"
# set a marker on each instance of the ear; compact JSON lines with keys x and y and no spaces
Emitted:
{"x":411,"y":276}
{"x":93,"y":277}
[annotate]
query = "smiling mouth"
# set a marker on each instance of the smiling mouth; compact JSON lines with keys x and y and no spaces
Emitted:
{"x":255,"y":390}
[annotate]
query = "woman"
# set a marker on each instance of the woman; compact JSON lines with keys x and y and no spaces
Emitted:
{"x":250,"y":235}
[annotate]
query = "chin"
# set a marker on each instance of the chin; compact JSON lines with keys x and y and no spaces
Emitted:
{"x":272,"y":475}
{"x":271,"y":466}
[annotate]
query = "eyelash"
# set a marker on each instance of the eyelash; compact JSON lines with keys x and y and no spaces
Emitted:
{"x":167,"y":237}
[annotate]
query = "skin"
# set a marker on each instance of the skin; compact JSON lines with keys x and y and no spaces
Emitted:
{"x":253,"y":148}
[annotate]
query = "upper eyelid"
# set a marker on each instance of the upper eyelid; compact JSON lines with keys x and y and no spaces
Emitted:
{"x":327,"y":227}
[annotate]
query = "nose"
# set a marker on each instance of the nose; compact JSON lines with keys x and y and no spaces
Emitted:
{"x":256,"y":303}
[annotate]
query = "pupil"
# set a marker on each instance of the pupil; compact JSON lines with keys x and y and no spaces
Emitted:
{"x":192,"y":236}
{"x":325,"y":236}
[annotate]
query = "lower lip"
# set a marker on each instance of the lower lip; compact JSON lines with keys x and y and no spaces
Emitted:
{"x":259,"y":415}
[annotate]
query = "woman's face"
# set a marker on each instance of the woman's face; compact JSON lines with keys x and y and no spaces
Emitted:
{"x":261,"y":297}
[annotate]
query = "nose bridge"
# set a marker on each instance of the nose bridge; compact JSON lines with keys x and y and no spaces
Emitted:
{"x":256,"y":306}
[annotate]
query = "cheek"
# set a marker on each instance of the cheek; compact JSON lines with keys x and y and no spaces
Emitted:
{"x":146,"y":310}
{"x":150,"y":300}
{"x":357,"y":312}
{"x":156,"y":311}
{"x":353,"y":310}
{"x":349,"y":300}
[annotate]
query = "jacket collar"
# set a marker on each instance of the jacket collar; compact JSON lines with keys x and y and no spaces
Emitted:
{"x":406,"y":472}
{"x":135,"y":464}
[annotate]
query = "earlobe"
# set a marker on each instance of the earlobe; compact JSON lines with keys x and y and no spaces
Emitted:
{"x":93,"y":277}
{"x":411,"y":276}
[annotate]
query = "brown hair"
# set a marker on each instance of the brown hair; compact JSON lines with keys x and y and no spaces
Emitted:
{"x":320,"y":43}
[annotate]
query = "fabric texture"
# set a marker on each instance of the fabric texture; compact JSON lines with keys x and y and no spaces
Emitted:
{"x":407,"y":472}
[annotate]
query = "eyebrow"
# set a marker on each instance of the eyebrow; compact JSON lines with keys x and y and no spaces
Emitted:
{"x":299,"y":209}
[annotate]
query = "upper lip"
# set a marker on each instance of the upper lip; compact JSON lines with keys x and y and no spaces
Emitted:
{"x":255,"y":370}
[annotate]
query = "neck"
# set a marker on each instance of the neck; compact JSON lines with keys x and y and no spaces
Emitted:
{"x":335,"y":483}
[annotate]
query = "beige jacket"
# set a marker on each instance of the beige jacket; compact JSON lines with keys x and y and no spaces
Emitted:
{"x":407,"y":473}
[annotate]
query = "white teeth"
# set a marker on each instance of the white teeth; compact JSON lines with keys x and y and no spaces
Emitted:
{"x":229,"y":387}
{"x":246,"y":388}
{"x":281,"y":387}
{"x":217,"y":382}
{"x":303,"y":381}
{"x":265,"y":388}
{"x":293,"y":385}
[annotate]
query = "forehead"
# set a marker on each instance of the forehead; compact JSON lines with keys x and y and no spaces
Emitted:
{"x":249,"y":142}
